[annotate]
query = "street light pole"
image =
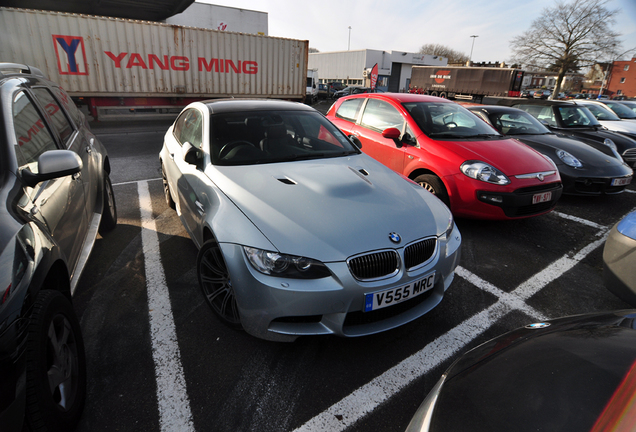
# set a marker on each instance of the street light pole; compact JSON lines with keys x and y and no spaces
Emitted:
{"x":349,"y":45}
{"x":471,"y":48}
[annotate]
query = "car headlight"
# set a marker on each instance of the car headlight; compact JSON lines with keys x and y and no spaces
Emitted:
{"x":281,"y":265}
{"x":449,"y":227}
{"x":608,"y":142}
{"x":482,"y":171}
{"x":568,"y":159}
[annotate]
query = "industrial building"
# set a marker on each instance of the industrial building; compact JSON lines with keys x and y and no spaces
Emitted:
{"x":354,"y":67}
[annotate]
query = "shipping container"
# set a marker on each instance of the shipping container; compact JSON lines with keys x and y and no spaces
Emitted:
{"x":120,"y":67}
{"x":471,"y":83}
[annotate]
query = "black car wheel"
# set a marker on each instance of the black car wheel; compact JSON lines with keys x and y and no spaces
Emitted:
{"x":56,"y":365}
{"x":214,"y":280}
{"x":166,"y":189}
{"x":109,"y":214}
{"x":434,"y":185}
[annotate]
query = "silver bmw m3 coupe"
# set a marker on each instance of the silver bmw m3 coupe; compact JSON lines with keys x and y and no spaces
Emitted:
{"x":299,"y":232}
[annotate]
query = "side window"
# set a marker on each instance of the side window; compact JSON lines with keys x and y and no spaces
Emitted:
{"x":349,"y":109}
{"x":541,"y":113}
{"x":31,"y":132}
{"x":189,"y":128}
{"x":380,"y":115}
{"x":58,"y":118}
{"x":68,"y":105}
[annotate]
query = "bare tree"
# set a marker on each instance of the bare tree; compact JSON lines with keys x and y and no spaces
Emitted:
{"x":444,"y":51}
{"x":567,"y":37}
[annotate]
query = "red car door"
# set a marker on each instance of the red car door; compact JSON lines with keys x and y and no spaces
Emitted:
{"x":378,"y":116}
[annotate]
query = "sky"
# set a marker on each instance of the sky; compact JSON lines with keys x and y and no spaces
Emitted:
{"x":406,"y":25}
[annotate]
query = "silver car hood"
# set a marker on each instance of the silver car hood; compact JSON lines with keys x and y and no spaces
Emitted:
{"x":619,"y":126}
{"x":331,"y":209}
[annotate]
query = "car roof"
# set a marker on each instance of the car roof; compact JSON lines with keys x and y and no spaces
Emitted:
{"x":402,"y":97}
{"x":543,"y":102}
{"x":218,"y":106}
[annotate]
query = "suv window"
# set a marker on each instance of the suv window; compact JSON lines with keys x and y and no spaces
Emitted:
{"x":349,"y":109}
{"x":31,"y":132}
{"x":189,"y":128}
{"x":68,"y":105}
{"x":380,"y":115}
{"x":58,"y":118}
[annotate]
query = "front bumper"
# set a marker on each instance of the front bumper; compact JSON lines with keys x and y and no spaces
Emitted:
{"x":619,"y":271}
{"x":283,"y":309}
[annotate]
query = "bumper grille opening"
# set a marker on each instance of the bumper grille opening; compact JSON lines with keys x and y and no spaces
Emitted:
{"x":308,"y":319}
{"x":375,"y":265}
{"x":420,"y":252}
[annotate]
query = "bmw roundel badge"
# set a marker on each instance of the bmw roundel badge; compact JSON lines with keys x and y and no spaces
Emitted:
{"x":395,"y":237}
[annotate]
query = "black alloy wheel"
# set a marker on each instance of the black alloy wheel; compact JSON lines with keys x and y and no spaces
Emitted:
{"x":214,"y":280}
{"x":434,"y":185}
{"x":56,"y":365}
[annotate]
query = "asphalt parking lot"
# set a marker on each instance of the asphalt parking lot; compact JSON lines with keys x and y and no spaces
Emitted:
{"x":158,"y":359}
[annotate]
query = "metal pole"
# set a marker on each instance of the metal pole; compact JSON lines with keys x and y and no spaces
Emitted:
{"x":471,"y":48}
{"x":349,"y":45}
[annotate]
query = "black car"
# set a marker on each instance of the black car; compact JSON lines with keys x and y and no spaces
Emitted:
{"x":569,"y":374}
{"x":569,"y":118}
{"x":56,"y":196}
{"x":586,"y":167}
{"x":350,"y":90}
{"x":333,"y":87}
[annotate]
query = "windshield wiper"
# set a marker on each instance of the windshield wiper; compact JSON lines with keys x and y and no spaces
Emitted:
{"x":487,"y":136}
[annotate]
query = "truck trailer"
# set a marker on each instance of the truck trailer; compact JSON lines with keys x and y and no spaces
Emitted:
{"x":464,"y":82}
{"x":121,"y":68}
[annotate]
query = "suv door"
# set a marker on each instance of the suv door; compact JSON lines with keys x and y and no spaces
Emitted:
{"x":58,"y":205}
{"x":71,"y":139}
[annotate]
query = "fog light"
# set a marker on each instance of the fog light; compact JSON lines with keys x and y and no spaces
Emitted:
{"x":492,"y":198}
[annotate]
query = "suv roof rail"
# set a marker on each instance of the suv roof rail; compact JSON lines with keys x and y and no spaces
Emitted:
{"x":6,"y":69}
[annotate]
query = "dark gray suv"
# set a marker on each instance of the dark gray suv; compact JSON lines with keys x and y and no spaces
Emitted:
{"x":55,"y":196}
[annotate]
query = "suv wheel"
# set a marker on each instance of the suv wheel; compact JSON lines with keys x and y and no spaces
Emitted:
{"x":56,"y":365}
{"x":109,"y":214}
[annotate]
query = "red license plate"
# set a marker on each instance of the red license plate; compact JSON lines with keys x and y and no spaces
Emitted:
{"x":542,"y":197}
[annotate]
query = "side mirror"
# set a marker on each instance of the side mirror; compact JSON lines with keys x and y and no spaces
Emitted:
{"x":53,"y":164}
{"x":391,"y":133}
{"x":191,"y":154}
{"x":356,"y":141}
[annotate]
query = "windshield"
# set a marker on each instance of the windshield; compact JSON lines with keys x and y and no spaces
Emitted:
{"x":621,"y":110}
{"x":517,"y":123}
{"x":448,"y":120}
{"x":630,"y":105}
{"x":577,"y":116}
{"x":257,"y":137}
{"x":601,"y":113}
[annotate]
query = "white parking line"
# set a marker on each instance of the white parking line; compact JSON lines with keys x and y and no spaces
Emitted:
{"x":364,"y":400}
{"x":579,"y":220}
{"x":172,"y":397}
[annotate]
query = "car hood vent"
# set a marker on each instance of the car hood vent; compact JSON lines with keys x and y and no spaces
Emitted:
{"x":287,"y":181}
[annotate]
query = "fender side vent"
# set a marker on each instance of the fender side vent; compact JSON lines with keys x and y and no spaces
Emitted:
{"x":287,"y":181}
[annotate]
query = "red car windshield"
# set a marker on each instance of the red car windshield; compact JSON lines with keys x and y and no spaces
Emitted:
{"x":444,"y":120}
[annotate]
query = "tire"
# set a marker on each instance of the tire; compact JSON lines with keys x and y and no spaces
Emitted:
{"x":215,"y":283}
{"x":109,"y":213}
{"x":434,"y":185}
{"x":55,"y":358}
{"x":433,"y":93}
{"x":166,"y":189}
{"x":442,"y":95}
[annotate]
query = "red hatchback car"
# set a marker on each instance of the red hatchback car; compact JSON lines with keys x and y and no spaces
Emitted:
{"x":437,"y":143}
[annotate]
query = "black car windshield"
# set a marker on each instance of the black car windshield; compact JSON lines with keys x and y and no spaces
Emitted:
{"x":447,"y":120}
{"x":258,"y":137}
{"x":517,"y":123}
{"x":574,"y":116}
